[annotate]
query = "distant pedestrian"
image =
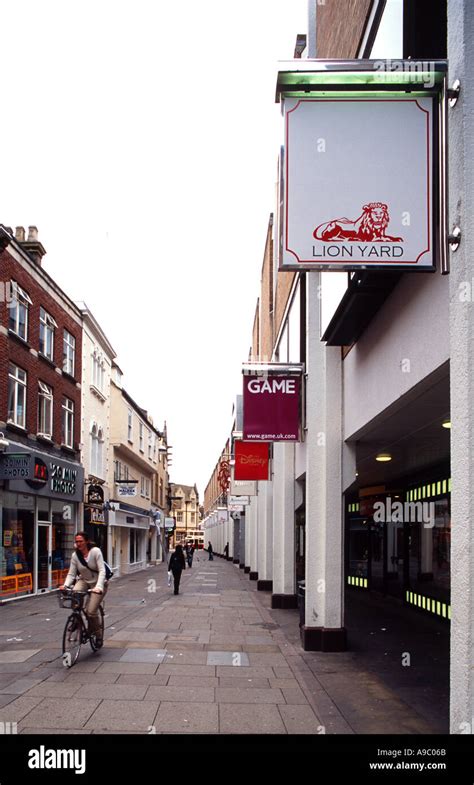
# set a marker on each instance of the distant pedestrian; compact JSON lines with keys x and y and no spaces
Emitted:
{"x":177,"y":564}
{"x":226,"y":551}
{"x":190,"y":554}
{"x":210,"y":552}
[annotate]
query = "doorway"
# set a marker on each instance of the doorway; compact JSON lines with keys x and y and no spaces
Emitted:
{"x":44,"y":557}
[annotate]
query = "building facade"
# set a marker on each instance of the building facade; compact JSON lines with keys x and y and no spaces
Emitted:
{"x":137,"y":493}
{"x":375,"y":498}
{"x":97,"y":358}
{"x":41,"y":483}
{"x":185,"y":511}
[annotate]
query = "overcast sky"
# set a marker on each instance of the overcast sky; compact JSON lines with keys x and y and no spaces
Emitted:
{"x":141,"y":138}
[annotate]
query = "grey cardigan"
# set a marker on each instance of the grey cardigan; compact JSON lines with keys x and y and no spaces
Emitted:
{"x":93,"y":579}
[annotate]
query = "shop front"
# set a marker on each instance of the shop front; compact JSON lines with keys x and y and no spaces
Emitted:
{"x":129,"y":529}
{"x":39,"y":508}
{"x":398,"y":542}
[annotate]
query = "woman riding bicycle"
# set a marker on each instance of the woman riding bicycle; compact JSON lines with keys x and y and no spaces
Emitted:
{"x":87,"y":562}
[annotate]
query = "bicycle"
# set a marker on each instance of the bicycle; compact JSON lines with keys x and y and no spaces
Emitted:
{"x":75,"y":630}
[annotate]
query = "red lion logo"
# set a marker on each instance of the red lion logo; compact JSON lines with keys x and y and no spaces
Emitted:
{"x":368,"y":228}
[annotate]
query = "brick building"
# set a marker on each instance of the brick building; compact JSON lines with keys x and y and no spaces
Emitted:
{"x":41,"y":479}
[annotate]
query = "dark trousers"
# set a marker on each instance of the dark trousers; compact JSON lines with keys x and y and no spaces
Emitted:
{"x":177,"y":578}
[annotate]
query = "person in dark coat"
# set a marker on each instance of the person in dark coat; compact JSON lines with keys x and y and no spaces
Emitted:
{"x":177,"y":564}
{"x":226,"y":551}
{"x":210,"y":551}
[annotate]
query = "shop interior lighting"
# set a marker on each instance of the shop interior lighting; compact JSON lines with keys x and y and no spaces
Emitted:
{"x":383,"y":457}
{"x":446,"y":424}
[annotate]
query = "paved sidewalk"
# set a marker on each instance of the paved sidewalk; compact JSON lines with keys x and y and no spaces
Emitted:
{"x":214,"y":659}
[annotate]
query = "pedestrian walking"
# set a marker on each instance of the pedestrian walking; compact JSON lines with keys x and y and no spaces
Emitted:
{"x":176,"y":565}
{"x":226,"y":551}
{"x":210,"y":551}
{"x":189,"y":554}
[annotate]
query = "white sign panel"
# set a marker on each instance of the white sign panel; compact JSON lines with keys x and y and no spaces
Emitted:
{"x":242,"y":487}
{"x":358,"y":184}
{"x":238,"y":500}
{"x":125,"y":491}
{"x":222,"y":516}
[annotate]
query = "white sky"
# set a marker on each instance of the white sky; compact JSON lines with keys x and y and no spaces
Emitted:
{"x":141,"y":137}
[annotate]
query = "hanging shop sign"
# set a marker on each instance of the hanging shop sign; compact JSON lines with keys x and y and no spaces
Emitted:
{"x":125,"y":491}
{"x":242,"y":487}
{"x":95,"y":494}
{"x":271,"y":408}
{"x":361,"y":178}
{"x":94,"y":516}
{"x":239,"y":500}
{"x":222,"y":515}
{"x":251,"y":460}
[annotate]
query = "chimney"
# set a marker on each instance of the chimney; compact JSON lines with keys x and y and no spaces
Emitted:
{"x":32,"y":245}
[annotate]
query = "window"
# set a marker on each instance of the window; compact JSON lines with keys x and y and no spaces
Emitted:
{"x":145,"y":487}
{"x":130,"y":426}
{"x":150,"y":445}
{"x":193,"y":515}
{"x":69,"y":351}
{"x":179,"y":517}
{"x":117,"y":471}
{"x":134,"y":546}
{"x":97,"y":449}
{"x":155,"y":447}
{"x":45,"y":410}
{"x":18,"y":319}
{"x":46,"y":342}
{"x":98,"y":370}
{"x":16,"y":396}
{"x":142,"y":449}
{"x":67,"y":434}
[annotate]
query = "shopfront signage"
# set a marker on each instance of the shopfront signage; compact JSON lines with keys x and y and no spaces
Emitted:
{"x":15,"y":467}
{"x":358,"y":183}
{"x":169,"y":524}
{"x":94,"y":515}
{"x":238,"y":500}
{"x":125,"y":491}
{"x":251,"y":460}
{"x":63,"y":479}
{"x":242,"y":487}
{"x":271,"y":408}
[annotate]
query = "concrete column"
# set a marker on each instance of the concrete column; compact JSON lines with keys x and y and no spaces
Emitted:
{"x":265,"y":538}
{"x":242,"y":537}
{"x":284,"y":594}
{"x":323,"y":629}
{"x":461,"y":283}
{"x":254,"y":536}
{"x":248,"y":527}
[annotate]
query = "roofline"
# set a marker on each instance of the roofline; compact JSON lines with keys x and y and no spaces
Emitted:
{"x":87,"y":315}
{"x":38,"y":267}
{"x":142,"y":412}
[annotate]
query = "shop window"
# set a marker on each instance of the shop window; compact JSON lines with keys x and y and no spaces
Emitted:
{"x":134,"y":546}
{"x":16,"y":545}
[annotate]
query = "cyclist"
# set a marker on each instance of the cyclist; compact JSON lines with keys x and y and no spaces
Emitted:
{"x":87,"y":571}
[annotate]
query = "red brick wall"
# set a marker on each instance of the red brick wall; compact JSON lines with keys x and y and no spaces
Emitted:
{"x":13,"y":350}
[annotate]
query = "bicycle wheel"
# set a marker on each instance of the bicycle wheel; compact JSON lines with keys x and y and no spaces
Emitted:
{"x":97,"y":644}
{"x":72,"y":640}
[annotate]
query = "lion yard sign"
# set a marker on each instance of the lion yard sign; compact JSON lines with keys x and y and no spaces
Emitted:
{"x":358,"y":184}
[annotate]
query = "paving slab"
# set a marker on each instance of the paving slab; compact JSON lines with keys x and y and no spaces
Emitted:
{"x":250,"y":718}
{"x":186,"y":657}
{"x":20,"y":686}
{"x":243,"y":683}
{"x":191,"y":681}
{"x":127,"y":667}
{"x":231,"y":658}
{"x":133,"y":655}
{"x":53,"y":731}
{"x":18,"y":708}
{"x":149,"y":680}
{"x":301,"y":720}
{"x":59,"y":713}
{"x":294,"y":695}
{"x":123,"y":715}
{"x":132,"y":635}
{"x":239,"y":695}
{"x":18,"y":655}
{"x":50,"y":689}
{"x":114,"y":691}
{"x":177,"y":694}
{"x":185,"y":718}
{"x":187,"y":670}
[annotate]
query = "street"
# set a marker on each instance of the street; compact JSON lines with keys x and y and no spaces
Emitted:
{"x":213,"y":660}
